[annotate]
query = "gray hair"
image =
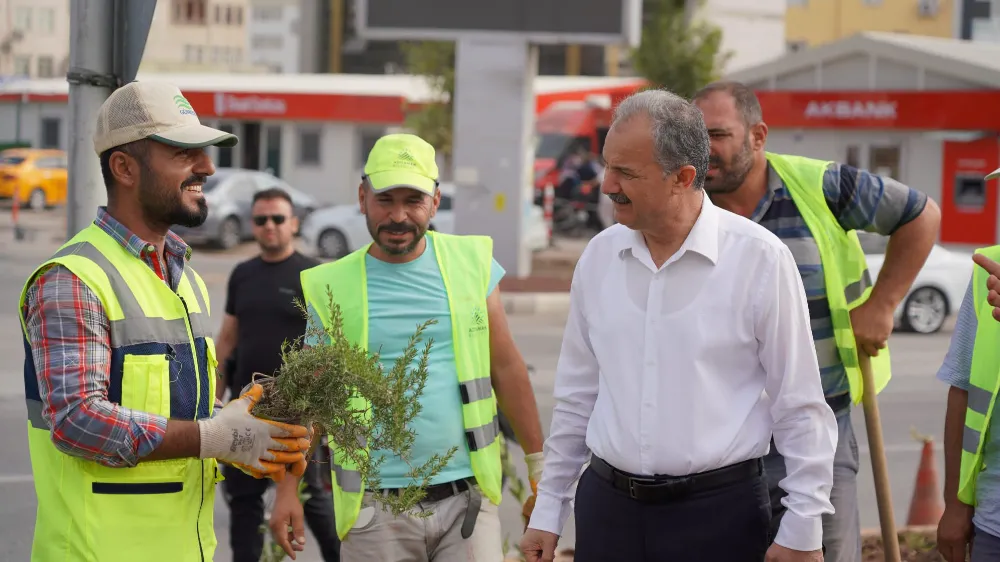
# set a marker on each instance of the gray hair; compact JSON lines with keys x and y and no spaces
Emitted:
{"x":679,"y":134}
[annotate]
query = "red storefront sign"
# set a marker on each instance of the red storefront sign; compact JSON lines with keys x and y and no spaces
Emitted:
{"x":938,"y":110}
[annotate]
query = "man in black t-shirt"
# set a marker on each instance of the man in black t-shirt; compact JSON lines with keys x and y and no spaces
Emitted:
{"x":260,"y":316}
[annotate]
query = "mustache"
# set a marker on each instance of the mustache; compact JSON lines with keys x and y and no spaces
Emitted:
{"x":195,"y":178}
{"x":714,"y":162}
{"x":397,"y":228}
{"x":619,"y":198}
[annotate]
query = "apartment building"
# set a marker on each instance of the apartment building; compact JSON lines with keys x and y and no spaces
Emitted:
{"x":198,"y":36}
{"x":273,"y":39}
{"x":34,"y":38}
{"x":814,"y":22}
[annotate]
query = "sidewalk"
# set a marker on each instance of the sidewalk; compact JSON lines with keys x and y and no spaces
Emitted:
{"x":546,"y":289}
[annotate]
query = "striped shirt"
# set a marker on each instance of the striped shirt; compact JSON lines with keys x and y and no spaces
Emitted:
{"x":956,"y":371}
{"x":69,"y":337}
{"x":859,"y":200}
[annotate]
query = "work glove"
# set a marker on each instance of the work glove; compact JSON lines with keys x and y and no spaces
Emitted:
{"x":535,"y":462}
{"x":260,"y":448}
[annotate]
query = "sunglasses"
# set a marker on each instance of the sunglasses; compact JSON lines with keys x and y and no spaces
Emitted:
{"x":261,"y":220}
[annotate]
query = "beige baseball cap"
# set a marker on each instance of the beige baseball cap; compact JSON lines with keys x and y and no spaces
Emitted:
{"x":156,"y":111}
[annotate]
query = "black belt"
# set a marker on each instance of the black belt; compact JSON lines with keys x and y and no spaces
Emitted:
{"x":439,"y":492}
{"x":660,"y":489}
{"x":841,"y":402}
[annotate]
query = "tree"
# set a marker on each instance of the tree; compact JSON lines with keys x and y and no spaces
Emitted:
{"x":674,"y":53}
{"x":435,"y":61}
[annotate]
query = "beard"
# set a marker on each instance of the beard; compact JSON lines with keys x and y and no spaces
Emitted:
{"x":730,"y":175}
{"x":164,"y":204}
{"x":396,"y":228}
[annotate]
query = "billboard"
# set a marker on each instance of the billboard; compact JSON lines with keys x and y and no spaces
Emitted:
{"x":600,"y":22}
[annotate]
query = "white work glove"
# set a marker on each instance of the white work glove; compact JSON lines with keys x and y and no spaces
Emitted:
{"x":261,"y":448}
{"x":535,"y":462}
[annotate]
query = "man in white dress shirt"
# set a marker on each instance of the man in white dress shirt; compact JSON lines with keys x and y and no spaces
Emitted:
{"x":687,"y":346}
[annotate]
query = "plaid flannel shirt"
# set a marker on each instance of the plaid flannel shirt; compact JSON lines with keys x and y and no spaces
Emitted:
{"x":69,"y":336}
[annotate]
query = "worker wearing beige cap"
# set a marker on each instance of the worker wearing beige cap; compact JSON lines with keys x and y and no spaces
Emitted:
{"x":123,"y":431}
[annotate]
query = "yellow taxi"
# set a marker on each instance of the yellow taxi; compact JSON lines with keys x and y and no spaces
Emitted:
{"x":37,"y":175}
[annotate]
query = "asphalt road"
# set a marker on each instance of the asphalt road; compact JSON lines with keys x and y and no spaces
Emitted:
{"x":915,"y":399}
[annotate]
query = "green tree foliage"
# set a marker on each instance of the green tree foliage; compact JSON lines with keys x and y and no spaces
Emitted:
{"x":674,"y":54}
{"x":435,"y":61}
{"x":317,"y":386}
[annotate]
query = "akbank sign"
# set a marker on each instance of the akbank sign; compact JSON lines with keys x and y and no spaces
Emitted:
{"x":880,"y":110}
{"x":226,"y":104}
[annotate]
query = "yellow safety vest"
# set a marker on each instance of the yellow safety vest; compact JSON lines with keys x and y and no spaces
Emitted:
{"x":845,"y":271}
{"x":984,"y":382}
{"x":162,"y":362}
{"x":465,"y":263}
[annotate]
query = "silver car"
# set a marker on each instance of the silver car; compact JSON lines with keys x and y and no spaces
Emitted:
{"x":229,"y":194}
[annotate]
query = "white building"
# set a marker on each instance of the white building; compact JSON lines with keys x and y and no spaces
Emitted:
{"x":752,"y":31}
{"x":34,"y":38}
{"x":273,"y":35}
{"x":312,"y":130}
{"x":921,"y":110}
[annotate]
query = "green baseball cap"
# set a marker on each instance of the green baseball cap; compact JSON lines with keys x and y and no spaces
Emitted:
{"x":402,"y":160}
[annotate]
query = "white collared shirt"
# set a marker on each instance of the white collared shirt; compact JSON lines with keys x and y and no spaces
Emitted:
{"x":691,"y":367}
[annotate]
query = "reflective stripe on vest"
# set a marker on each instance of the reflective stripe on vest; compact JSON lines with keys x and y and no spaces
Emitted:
{"x":984,"y":383}
{"x":91,"y":512}
{"x":845,"y":270}
{"x":465,"y":263}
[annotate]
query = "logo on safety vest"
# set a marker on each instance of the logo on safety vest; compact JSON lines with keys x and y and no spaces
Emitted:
{"x":479,"y":321}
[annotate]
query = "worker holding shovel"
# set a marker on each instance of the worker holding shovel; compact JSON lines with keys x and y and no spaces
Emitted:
{"x":815,"y":206}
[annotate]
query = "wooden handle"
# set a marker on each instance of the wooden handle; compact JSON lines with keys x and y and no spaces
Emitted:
{"x":880,"y":468}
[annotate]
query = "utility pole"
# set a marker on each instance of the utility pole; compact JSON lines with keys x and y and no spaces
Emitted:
{"x":107,"y":38}
{"x":91,"y":81}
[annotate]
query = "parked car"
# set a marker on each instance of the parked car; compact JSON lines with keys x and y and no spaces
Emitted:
{"x":936,"y":292}
{"x":37,"y":175}
{"x":336,"y":231}
{"x":229,"y":193}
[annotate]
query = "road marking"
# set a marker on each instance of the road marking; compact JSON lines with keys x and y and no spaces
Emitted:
{"x":15,"y":478}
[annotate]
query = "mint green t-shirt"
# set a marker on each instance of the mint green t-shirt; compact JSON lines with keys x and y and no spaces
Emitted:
{"x":401,"y":297}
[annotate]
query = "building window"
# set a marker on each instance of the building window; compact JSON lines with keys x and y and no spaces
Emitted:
{"x":46,"y":67}
{"x":267,"y":13}
{"x":218,"y":13}
{"x":309,"y":147}
{"x":46,"y":20}
{"x":238,"y":17}
{"x":267,"y":41}
{"x":873,"y":2}
{"x":22,"y":18}
{"x":798,"y":2}
{"x":366,"y":141}
{"x":50,"y":132}
{"x":853,"y":156}
{"x":190,"y":12}
{"x":22,"y":65}
{"x":193,"y":53}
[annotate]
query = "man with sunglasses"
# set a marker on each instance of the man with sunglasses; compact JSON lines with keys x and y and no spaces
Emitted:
{"x":260,"y":315}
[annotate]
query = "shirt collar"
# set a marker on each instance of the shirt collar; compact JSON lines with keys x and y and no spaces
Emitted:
{"x":703,"y":238}
{"x":774,"y":184}
{"x":136,"y":246}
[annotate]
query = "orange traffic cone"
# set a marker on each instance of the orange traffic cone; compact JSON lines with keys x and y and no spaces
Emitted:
{"x":926,"y":506}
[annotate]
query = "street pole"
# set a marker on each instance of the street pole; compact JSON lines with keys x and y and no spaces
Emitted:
{"x":91,"y":81}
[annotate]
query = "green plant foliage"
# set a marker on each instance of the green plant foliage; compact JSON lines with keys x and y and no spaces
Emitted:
{"x":342,"y":388}
{"x":435,"y":61}
{"x":675,"y":54}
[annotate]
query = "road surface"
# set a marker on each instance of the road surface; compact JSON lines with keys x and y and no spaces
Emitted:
{"x":914,"y":399}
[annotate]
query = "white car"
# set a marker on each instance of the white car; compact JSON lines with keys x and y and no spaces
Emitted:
{"x":937,"y":291}
{"x":334,"y":232}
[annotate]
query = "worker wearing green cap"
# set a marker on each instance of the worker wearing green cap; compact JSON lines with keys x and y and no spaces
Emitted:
{"x":406,"y":276}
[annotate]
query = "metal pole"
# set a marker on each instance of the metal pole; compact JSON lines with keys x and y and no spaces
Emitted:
{"x":91,"y":46}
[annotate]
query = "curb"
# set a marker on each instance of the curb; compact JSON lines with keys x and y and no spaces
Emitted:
{"x":535,"y":303}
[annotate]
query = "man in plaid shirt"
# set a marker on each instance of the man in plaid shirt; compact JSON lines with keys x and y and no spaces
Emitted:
{"x":122,"y":435}
{"x":742,"y":180}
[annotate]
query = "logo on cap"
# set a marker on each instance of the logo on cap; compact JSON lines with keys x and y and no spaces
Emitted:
{"x":183,"y":105}
{"x":405,"y":159}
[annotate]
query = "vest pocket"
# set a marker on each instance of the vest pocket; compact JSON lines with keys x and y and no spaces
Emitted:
{"x":146,"y":383}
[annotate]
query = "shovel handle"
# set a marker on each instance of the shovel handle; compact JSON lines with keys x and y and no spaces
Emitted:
{"x":880,"y":468}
